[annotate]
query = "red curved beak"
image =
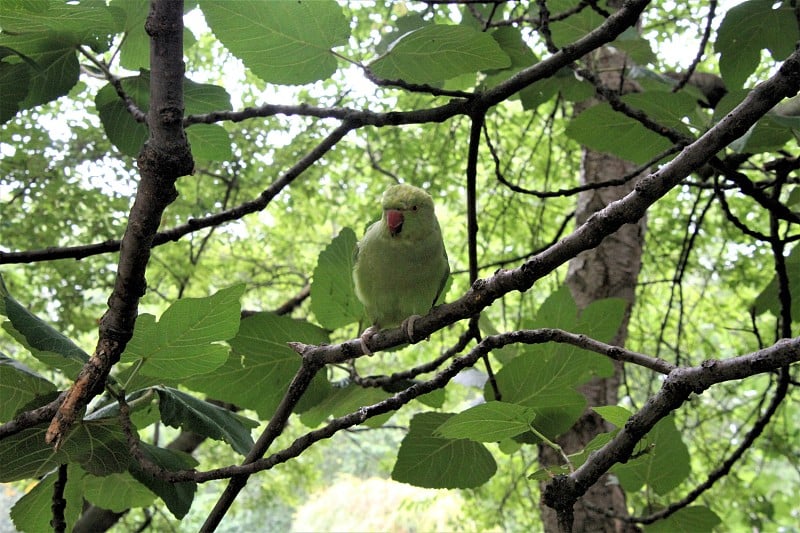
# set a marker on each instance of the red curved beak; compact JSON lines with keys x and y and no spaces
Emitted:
{"x":394,"y":219}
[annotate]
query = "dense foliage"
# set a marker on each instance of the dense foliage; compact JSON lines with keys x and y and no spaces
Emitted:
{"x":299,"y":115}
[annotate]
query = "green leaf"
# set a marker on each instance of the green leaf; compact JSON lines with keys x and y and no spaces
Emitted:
{"x":403,"y":25}
{"x":433,"y":462}
{"x":434,"y":398}
{"x":510,"y":40}
{"x":562,"y":82}
{"x":631,"y":42}
{"x":56,"y":70}
{"x":181,"y":410}
{"x":45,"y":343}
{"x":83,"y":22}
{"x":98,"y":446}
{"x":665,"y":107}
{"x":32,"y":513}
{"x":122,"y":130}
{"x":545,"y":376}
{"x":333,"y":298}
{"x":438,"y":52}
{"x":280,"y":42}
{"x":344,"y":400}
{"x":19,"y":385}
{"x":488,"y":422}
{"x":663,"y":463}
{"x":746,"y":30}
{"x":613,"y":413}
{"x":210,"y":142}
{"x":185,"y":341}
{"x":604,"y":130}
{"x":601,"y":319}
{"x":177,"y":496}
{"x":261,"y":365}
{"x":116,"y":492}
{"x":574,"y":27}
{"x":693,"y":519}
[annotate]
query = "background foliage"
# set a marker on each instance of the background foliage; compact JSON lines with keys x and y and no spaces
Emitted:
{"x":266,"y":83}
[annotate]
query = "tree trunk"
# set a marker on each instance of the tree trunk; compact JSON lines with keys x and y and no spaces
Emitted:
{"x":608,"y":271}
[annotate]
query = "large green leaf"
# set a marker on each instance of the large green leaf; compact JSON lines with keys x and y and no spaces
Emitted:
{"x":181,"y":410}
{"x":186,"y":340}
{"x":45,"y":343}
{"x":261,"y":365}
{"x":545,"y":376}
{"x":665,"y":107}
{"x":603,"y":129}
{"x":746,"y":30}
{"x":99,"y":446}
{"x":82,"y":21}
{"x":488,"y":422}
{"x":531,"y":381}
{"x":333,"y":298}
{"x":564,"y":83}
{"x":18,"y":386}
{"x":428,"y":461}
{"x":32,"y":513}
{"x":116,"y":492}
{"x":177,"y":496}
{"x":280,"y":42}
{"x":574,"y":27}
{"x":662,"y":466}
{"x":438,"y":52}
{"x":692,"y":519}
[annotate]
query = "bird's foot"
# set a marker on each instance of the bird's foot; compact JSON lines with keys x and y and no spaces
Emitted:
{"x":366,"y":336}
{"x":408,"y":327}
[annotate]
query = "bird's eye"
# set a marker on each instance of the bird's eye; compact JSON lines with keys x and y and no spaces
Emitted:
{"x":414,"y":208}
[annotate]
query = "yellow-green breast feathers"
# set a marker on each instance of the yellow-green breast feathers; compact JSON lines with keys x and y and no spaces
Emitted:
{"x":401,"y":264}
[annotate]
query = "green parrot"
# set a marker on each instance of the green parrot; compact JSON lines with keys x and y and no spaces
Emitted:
{"x":400,"y":266}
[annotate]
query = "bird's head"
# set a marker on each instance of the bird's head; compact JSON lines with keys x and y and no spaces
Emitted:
{"x":408,"y":212}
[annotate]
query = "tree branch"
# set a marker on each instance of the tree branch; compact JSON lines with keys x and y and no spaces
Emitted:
{"x":165,"y":157}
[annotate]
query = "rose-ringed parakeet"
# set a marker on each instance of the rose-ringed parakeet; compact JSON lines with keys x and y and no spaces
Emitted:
{"x":400,"y":265}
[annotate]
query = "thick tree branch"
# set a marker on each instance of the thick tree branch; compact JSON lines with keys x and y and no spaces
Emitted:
{"x":165,"y":157}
